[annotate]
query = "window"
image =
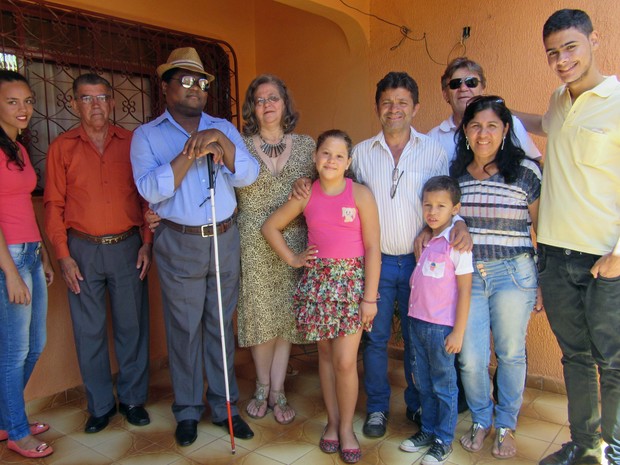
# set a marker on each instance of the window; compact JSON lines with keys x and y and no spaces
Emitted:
{"x":52,"y":45}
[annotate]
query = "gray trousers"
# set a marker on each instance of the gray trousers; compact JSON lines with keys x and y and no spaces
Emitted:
{"x":112,"y":267}
{"x":186,"y":265}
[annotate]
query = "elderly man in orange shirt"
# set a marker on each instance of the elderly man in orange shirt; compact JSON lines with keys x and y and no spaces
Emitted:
{"x":93,"y":217}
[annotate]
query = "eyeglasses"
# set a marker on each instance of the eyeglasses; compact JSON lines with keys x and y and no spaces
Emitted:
{"x":88,"y":99}
{"x":189,"y":81}
{"x":470,"y":82}
{"x":264,"y":101}
{"x":396,"y":175}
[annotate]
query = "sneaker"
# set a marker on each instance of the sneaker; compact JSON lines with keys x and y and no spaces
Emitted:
{"x":437,"y":454}
{"x":375,"y":424}
{"x":418,"y":441}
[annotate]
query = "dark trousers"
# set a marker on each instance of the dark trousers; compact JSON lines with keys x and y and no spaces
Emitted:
{"x":186,"y":265}
{"x":584,"y":314}
{"x":112,"y":267}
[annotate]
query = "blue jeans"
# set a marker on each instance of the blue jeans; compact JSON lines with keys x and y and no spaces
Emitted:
{"x":22,"y":337}
{"x":393,"y":287}
{"x":435,"y":378}
{"x":502,"y":298}
{"x":584,"y":314}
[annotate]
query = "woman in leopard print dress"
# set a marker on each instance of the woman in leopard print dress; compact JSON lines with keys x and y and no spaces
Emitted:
{"x":266,"y":321}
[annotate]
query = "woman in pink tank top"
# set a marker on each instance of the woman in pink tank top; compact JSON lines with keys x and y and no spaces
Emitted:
{"x":337,"y":295}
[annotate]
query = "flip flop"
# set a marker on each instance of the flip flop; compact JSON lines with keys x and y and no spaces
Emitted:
{"x":503,"y":440}
{"x":473,"y":434}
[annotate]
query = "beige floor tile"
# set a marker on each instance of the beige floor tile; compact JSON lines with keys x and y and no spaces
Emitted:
{"x":542,"y":428}
{"x":546,"y":412}
{"x":563,"y":436}
{"x":287,"y":448}
{"x":217,"y":452}
{"x":538,"y":429}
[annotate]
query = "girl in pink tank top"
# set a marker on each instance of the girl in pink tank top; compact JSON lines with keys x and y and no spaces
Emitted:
{"x":337,"y":295}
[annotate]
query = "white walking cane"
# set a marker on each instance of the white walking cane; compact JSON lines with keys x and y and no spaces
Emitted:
{"x":219,"y":297}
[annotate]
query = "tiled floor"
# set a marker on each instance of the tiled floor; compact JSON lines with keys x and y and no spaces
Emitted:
{"x":542,"y":429}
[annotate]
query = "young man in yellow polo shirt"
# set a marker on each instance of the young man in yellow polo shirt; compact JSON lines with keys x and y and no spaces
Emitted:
{"x":578,"y":233}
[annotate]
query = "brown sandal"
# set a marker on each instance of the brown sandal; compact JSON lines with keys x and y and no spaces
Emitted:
{"x":259,"y":399}
{"x":504,"y":439}
{"x":284,"y":407}
{"x":473,"y":434}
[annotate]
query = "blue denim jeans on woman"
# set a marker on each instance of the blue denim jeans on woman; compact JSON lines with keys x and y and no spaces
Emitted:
{"x":22,"y":337}
{"x":435,"y":378}
{"x":502,"y":298}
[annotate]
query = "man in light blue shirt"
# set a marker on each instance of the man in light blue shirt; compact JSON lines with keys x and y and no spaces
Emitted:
{"x":171,"y":172}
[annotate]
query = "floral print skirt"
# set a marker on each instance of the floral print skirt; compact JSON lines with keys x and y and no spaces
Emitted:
{"x":327,"y":298}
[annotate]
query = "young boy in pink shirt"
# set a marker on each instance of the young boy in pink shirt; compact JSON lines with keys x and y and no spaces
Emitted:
{"x":438,"y":309}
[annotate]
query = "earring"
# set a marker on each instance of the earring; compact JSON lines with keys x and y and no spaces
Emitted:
{"x":503,"y":142}
{"x":467,"y":143}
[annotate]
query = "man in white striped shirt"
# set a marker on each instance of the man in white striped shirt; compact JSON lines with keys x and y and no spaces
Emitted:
{"x":395,"y":164}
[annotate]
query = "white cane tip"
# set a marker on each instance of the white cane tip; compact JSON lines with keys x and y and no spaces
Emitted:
{"x":233,"y":452}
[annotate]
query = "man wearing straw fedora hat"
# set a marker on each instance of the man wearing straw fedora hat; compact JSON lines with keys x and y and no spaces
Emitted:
{"x":169,"y":158}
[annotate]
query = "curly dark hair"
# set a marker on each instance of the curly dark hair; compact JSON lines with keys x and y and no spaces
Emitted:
{"x":290,"y":117}
{"x":7,"y":145}
{"x":507,"y":159}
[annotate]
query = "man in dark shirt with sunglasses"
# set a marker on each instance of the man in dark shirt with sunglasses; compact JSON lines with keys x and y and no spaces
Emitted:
{"x":93,"y":216}
{"x":169,"y":157}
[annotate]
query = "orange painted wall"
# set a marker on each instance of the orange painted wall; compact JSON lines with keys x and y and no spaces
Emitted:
{"x":327,"y":73}
{"x":331,"y":63}
{"x":506,"y":39}
{"x":231,"y":21}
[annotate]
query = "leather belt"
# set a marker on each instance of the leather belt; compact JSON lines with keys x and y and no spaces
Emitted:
{"x":206,"y":230}
{"x":104,"y":240}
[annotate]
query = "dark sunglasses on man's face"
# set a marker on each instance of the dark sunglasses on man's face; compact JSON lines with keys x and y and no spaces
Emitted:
{"x":189,"y":81}
{"x":470,"y":82}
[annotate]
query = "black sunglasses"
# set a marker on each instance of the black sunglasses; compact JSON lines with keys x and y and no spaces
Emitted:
{"x":470,"y":82}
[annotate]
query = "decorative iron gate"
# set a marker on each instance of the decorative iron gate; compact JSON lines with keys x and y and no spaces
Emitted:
{"x":52,"y":45}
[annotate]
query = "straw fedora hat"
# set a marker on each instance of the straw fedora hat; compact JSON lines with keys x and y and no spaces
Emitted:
{"x":184,"y":58}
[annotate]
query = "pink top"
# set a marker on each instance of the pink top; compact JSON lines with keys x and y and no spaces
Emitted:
{"x":434,"y":291}
{"x":333,"y":222}
{"x":17,"y":219}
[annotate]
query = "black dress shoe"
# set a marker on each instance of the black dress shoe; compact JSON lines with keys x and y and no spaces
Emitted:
{"x":96,"y":424}
{"x":572,"y":454}
{"x":241,"y":429}
{"x":136,"y":414}
{"x":187,"y":432}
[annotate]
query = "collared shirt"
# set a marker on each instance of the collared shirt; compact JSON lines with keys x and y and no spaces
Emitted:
{"x":444,"y":133}
{"x":91,"y":192}
{"x":580,"y":200}
{"x":434,"y":287}
{"x":400,"y":217}
{"x":153,"y":148}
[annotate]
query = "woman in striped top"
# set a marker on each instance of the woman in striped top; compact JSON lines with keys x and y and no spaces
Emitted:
{"x":500,"y":193}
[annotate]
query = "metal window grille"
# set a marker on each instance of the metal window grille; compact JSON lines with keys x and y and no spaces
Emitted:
{"x":52,"y":45}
